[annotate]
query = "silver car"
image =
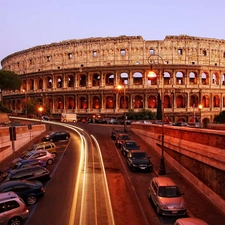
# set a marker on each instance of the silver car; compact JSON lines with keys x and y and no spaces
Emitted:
{"x":43,"y":155}
{"x":190,"y":221}
{"x":166,"y":196}
{"x":12,"y":209}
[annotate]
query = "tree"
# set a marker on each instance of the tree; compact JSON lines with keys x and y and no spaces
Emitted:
{"x":159,"y":108}
{"x":9,"y":81}
{"x":220,"y":118}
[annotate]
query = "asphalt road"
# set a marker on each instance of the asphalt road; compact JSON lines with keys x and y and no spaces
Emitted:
{"x":128,"y":190}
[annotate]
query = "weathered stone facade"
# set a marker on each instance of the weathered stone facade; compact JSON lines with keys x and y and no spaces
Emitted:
{"x":81,"y":76}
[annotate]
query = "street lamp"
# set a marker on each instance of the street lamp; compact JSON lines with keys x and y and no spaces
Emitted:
{"x":120,"y":87}
{"x":40,"y":110}
{"x":25,"y":92}
{"x":152,"y":62}
{"x":200,"y":108}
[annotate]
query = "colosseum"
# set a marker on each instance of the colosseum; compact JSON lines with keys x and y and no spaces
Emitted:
{"x":82,"y":76}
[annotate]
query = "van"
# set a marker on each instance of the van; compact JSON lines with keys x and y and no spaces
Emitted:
{"x":12,"y":209}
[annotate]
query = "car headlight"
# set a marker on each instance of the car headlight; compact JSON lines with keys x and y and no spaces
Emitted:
{"x":134,"y":165}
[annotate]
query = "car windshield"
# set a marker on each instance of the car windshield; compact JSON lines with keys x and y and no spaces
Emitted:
{"x":140,"y":155}
{"x":131,"y":145}
{"x":124,"y":137}
{"x":28,"y":154}
{"x":169,"y":192}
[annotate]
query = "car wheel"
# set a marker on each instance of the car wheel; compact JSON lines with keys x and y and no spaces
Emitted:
{"x":15,"y":220}
{"x":49,"y":161}
{"x":31,"y":200}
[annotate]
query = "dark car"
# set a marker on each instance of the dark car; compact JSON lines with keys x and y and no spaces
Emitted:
{"x":29,"y":191}
{"x":129,"y":145}
{"x":120,"y":138}
{"x":116,"y":131}
{"x":139,"y":160}
{"x":57,"y":136}
{"x":30,"y":173}
{"x":24,"y":163}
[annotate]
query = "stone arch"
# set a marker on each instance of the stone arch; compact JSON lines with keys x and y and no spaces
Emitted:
{"x":137,"y":78}
{"x":205,"y":78}
{"x":96,"y":102}
{"x":70,"y":80}
{"x":123,"y":78}
{"x":167,"y":101}
{"x":152,"y":101}
{"x":138,"y":102}
{"x":83,"y":103}
{"x":83,"y":80}
{"x":123,"y":102}
{"x":205,"y":101}
{"x":179,"y":78}
{"x":70,"y":104}
{"x":59,"y":102}
{"x":109,"y":102}
{"x":194,"y":101}
{"x":96,"y":79}
{"x":192,"y":78}
{"x":109,"y":78}
{"x":167,"y":78}
{"x":180,"y":101}
{"x":216,"y":101}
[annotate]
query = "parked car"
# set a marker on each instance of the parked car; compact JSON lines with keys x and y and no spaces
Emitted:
{"x":120,"y":138}
{"x":30,"y":173}
{"x":48,"y":146}
{"x":166,"y":196}
{"x":57,"y":136}
{"x":190,"y":221}
{"x":46,"y":118}
{"x":129,"y":145}
{"x":139,"y":160}
{"x":12,"y":209}
{"x":116,"y":131}
{"x":43,"y":155}
{"x":24,"y":163}
{"x":29,"y":191}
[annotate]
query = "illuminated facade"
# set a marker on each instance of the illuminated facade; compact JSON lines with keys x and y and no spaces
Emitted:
{"x":81,"y":76}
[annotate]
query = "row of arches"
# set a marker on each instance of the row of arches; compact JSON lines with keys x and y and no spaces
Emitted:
{"x":112,"y":79}
{"x":119,"y":101}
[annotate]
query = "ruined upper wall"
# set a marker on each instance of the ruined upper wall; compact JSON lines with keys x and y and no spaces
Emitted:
{"x":112,"y":51}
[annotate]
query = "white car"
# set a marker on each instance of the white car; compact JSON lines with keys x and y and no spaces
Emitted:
{"x":190,"y":221}
{"x":166,"y":196}
{"x":43,"y":155}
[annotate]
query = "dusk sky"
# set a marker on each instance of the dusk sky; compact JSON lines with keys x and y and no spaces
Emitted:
{"x":28,"y":23}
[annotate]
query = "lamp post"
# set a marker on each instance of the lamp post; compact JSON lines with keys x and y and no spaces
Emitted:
{"x":120,"y":87}
{"x":152,"y":62}
{"x":25,"y":93}
{"x":200,"y":108}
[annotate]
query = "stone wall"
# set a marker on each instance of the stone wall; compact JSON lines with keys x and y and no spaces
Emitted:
{"x":23,"y":136}
{"x":111,"y":51}
{"x":198,"y":154}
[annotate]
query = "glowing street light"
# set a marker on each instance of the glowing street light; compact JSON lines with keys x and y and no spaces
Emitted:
{"x":200,"y":108}
{"x":152,"y":62}
{"x":25,"y":92}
